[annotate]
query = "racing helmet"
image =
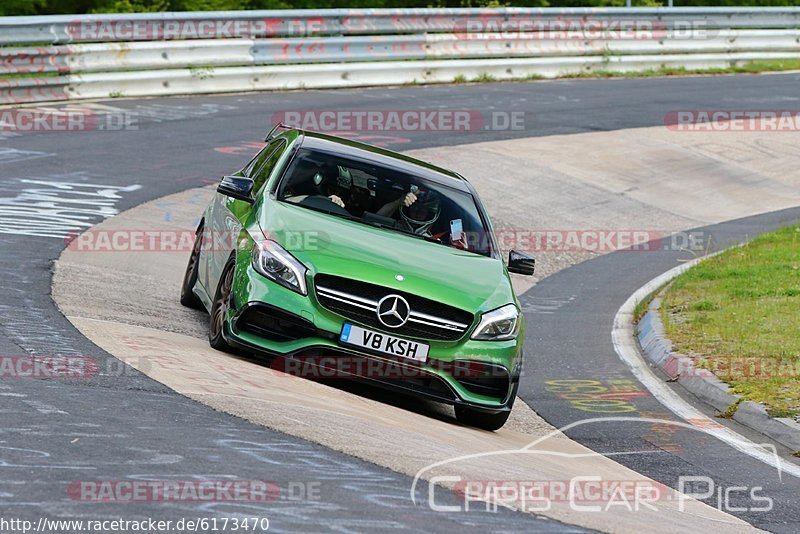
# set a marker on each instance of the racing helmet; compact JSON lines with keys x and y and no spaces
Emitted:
{"x":422,"y":214}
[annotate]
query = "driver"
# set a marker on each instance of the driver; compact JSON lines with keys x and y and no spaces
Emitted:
{"x":390,"y":209}
{"x":419,"y":210}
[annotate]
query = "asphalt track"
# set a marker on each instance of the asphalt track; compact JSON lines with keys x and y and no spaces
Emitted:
{"x":53,"y":430}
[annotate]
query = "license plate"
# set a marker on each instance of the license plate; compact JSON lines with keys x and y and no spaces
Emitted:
{"x":384,"y":343}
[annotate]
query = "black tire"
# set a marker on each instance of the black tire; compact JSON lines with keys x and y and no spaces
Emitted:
{"x":219,"y":308}
{"x":188,"y":298}
{"x":485,"y":420}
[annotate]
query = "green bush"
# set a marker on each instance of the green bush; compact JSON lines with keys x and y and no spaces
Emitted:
{"x":44,"y":7}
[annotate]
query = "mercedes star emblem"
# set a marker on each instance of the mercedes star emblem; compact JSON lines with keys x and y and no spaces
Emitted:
{"x":393,"y":311}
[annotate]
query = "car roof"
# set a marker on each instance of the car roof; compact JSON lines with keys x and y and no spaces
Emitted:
{"x":381,"y":156}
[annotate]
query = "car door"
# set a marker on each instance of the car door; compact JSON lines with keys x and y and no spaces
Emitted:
{"x":229,"y":214}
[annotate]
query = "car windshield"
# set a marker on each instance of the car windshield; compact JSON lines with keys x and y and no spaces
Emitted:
{"x":385,"y":197}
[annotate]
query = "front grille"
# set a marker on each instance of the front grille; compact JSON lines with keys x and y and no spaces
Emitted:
{"x":358,"y":301}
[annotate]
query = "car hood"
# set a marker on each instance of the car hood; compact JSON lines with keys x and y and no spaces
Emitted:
{"x":330,"y":245}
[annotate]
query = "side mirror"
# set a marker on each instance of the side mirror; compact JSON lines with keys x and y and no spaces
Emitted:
{"x":520,"y":263}
{"x":236,"y":187}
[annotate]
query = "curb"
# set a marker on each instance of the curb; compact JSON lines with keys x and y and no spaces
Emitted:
{"x":704,"y":385}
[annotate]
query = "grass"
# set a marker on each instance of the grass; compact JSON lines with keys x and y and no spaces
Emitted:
{"x":484,"y":77}
{"x":32,"y":75}
{"x":640,"y":310}
{"x":770,"y":65}
{"x":730,"y":411}
{"x":751,"y":67}
{"x":738,"y":314}
{"x":201,"y":72}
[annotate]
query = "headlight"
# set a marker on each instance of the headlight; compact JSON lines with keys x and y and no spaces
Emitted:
{"x":498,"y":325}
{"x":272,"y":261}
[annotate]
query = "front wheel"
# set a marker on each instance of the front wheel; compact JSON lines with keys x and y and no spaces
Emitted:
{"x":485,"y":420}
{"x":188,"y":298}
{"x":479,"y":419}
{"x":219,"y":310}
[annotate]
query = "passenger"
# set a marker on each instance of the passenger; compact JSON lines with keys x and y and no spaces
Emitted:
{"x":321,"y":186}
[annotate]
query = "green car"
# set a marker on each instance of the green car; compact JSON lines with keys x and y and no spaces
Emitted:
{"x":349,"y":261}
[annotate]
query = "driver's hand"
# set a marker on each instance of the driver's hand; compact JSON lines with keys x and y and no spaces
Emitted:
{"x":409,"y":199}
{"x":336,"y":200}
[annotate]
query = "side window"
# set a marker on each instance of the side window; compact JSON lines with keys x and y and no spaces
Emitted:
{"x":248,"y":170}
{"x":262,"y":170}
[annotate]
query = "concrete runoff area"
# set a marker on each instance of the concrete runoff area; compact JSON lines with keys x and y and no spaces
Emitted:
{"x":590,"y":181}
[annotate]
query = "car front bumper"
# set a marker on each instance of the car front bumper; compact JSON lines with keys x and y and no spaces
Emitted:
{"x":268,"y":318}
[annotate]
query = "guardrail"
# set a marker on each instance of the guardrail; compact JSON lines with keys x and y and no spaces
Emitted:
{"x":99,"y":56}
